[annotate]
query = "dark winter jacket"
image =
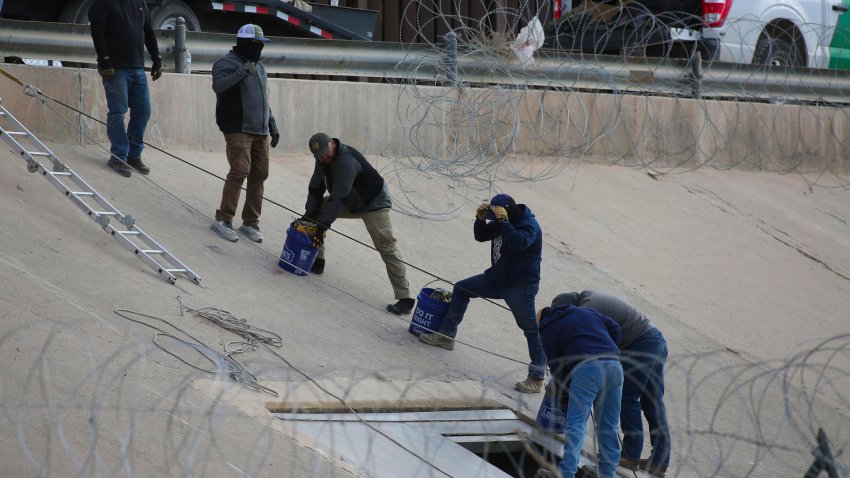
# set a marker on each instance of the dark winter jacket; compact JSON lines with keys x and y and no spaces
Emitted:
{"x":351,"y":183}
{"x":242,"y":104}
{"x":516,"y":247}
{"x":120,"y":29}
{"x":572,"y":335}
{"x":633,"y":324}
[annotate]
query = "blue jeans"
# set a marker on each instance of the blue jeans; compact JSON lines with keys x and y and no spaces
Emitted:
{"x":128,"y":89}
{"x":596,"y":383}
{"x":643,"y":389}
{"x":520,"y":299}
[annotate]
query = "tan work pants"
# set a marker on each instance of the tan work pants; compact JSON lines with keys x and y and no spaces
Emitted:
{"x":248,"y":155}
{"x":381,"y":231}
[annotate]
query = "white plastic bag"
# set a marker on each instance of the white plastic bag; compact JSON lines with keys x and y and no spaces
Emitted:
{"x":529,"y":40}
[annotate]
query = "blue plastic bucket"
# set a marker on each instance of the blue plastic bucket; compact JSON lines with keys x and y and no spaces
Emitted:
{"x":428,"y":314}
{"x":550,"y":417}
{"x":298,"y":253}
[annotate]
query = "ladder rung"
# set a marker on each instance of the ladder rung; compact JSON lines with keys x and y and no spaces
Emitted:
{"x":174,"y":270}
{"x":151,"y":251}
{"x":128,"y":233}
{"x":82,"y":193}
{"x":57,"y":173}
{"x":37,"y":153}
{"x":106,"y":213}
{"x":17,"y":133}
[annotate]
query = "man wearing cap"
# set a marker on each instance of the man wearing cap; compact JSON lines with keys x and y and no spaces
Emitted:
{"x":643,"y":352}
{"x":121,"y":30}
{"x":581,"y":345}
{"x":516,"y":245}
{"x":242,"y":113}
{"x":355,"y":191}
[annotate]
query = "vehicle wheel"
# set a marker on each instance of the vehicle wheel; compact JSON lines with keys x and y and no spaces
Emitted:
{"x":164,"y":17}
{"x":76,"y":12}
{"x":777,"y":52}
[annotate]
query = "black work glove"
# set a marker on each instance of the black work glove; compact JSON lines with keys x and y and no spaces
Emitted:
{"x":319,"y":237}
{"x":275,"y":138}
{"x":105,"y":68}
{"x":250,"y":67}
{"x":156,"y":69}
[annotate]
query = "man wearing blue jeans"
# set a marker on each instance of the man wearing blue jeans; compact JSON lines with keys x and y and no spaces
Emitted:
{"x":121,"y":30}
{"x":516,"y":244}
{"x":581,"y":345}
{"x":643,"y":352}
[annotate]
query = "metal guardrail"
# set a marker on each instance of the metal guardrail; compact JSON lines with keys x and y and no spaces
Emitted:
{"x":299,"y":56}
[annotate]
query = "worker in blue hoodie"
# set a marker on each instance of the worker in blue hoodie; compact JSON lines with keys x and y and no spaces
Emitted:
{"x":581,"y":345}
{"x":516,"y":244}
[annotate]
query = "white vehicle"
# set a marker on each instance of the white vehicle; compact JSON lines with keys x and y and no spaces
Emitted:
{"x":807,"y":33}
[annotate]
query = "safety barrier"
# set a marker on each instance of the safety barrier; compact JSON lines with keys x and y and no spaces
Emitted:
{"x":298,"y":56}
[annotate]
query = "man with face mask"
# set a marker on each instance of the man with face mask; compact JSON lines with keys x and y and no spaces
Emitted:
{"x":242,"y":113}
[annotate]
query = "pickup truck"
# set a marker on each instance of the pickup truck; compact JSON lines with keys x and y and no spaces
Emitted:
{"x":804,"y":33}
{"x":277,"y":17}
{"x":656,"y":28}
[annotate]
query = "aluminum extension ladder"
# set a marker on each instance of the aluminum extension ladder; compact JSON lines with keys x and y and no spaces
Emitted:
{"x":93,"y":204}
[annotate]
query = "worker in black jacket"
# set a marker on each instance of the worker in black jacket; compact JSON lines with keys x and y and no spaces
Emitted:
{"x":121,"y":29}
{"x":355,"y":190}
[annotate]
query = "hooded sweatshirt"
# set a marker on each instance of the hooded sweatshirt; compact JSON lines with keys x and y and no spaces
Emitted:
{"x":633,"y":324}
{"x":571,"y":335}
{"x":516,"y":247}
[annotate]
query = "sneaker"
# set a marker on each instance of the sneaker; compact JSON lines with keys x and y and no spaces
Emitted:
{"x":654,"y":470}
{"x":138,"y":165}
{"x":402,"y":307}
{"x":119,"y":167}
{"x":318,"y":266}
{"x":530,"y":385}
{"x":252,"y":232}
{"x":629,"y":463}
{"x":438,"y":340}
{"x":225,"y":230}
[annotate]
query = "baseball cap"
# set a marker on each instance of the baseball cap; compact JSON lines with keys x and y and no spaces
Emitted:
{"x":502,"y":200}
{"x":254,"y":32}
{"x":319,"y":144}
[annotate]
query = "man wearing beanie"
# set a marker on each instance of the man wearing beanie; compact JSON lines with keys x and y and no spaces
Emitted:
{"x":355,"y":191}
{"x":242,"y":113}
{"x":643,"y":352}
{"x":516,"y":244}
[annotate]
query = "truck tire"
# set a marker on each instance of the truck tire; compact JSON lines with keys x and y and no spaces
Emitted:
{"x":164,"y":16}
{"x":778,"y":51}
{"x":76,"y":12}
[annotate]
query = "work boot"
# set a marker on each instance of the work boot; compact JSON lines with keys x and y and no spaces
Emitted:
{"x":119,"y":167}
{"x":402,"y":307}
{"x":318,"y":266}
{"x":252,"y":232}
{"x":225,"y":230}
{"x":438,"y":340}
{"x":629,"y":463}
{"x":530,"y":385}
{"x":138,"y":165}
{"x":658,"y":471}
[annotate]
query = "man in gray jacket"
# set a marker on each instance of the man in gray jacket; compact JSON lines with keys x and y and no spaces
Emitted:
{"x":242,"y":113}
{"x":355,"y":190}
{"x":643,"y":352}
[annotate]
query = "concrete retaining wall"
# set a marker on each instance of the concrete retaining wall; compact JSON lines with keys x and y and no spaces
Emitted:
{"x":448,"y":124}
